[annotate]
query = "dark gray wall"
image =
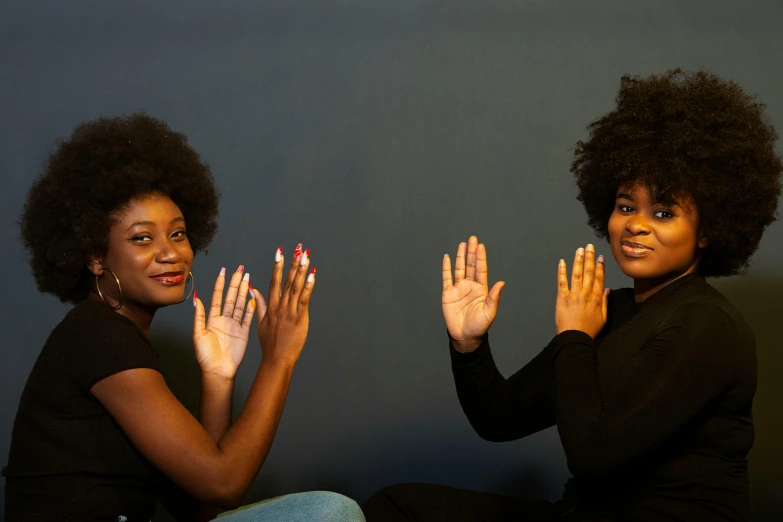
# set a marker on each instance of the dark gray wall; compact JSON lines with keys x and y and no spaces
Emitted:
{"x":380,"y":134}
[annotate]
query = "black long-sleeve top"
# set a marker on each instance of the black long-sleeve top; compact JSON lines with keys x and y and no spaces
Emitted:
{"x":654,"y":414}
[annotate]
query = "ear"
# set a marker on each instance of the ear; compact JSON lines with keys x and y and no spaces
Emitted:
{"x":95,"y":266}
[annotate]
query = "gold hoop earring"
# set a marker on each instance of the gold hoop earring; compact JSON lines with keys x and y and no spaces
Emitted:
{"x":119,"y":287}
{"x":192,"y":286}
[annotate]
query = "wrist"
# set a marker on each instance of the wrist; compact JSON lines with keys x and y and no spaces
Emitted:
{"x":279,"y":362}
{"x":466,"y":345}
{"x":213,"y":377}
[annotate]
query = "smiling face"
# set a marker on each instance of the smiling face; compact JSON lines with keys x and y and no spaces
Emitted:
{"x":149,"y":252}
{"x":654,"y":241}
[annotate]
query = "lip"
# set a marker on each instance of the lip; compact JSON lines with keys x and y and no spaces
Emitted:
{"x":631,"y":249}
{"x":169,"y":278}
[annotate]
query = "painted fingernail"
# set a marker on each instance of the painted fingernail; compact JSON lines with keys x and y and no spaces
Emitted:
{"x":249,"y":286}
{"x":223,"y":271}
{"x":250,"y":293}
{"x":589,"y":248}
{"x":279,"y":254}
{"x":297,"y":254}
{"x":241,"y":268}
{"x":311,"y":277}
{"x":303,"y":262}
{"x":247,"y":277}
{"x":195,"y":296}
{"x":298,"y":248}
{"x":600,"y":259}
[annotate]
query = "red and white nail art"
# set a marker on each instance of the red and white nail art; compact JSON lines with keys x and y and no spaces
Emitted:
{"x":305,"y":257}
{"x":279,"y":254}
{"x":311,"y":277}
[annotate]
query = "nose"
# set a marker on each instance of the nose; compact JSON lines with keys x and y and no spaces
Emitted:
{"x":168,"y":252}
{"x":637,"y":225}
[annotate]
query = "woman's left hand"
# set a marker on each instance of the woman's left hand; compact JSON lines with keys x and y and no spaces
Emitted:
{"x":220,"y":341}
{"x":584,"y":306}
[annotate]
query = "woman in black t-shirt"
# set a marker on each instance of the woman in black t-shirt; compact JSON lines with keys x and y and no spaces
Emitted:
{"x":650,"y":387}
{"x":112,"y":226}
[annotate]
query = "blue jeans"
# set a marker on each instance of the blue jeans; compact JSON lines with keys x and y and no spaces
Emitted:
{"x":313,"y":506}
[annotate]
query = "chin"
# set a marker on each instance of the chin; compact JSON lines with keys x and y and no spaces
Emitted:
{"x":167,"y":298}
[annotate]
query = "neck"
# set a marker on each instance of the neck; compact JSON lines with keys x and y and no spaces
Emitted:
{"x":140,"y":315}
{"x":645,"y":288}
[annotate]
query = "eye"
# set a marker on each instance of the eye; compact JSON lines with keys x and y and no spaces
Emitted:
{"x":664,"y":214}
{"x":141,"y":238}
{"x":624,"y":208}
{"x":179,"y":234}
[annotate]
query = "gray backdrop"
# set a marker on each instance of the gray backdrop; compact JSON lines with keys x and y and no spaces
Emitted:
{"x":379,"y":134}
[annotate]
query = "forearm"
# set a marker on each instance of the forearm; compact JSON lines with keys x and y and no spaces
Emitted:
{"x":501,"y":409}
{"x":247,"y":442}
{"x":605,"y":427}
{"x":215,"y":405}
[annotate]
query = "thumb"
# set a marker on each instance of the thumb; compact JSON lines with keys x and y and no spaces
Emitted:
{"x":605,"y":303}
{"x":260,"y":304}
{"x":199,"y":318}
{"x":493,"y":298}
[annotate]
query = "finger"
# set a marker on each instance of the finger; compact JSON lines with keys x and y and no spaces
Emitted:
{"x":459,"y":266}
{"x":470,"y":272}
{"x":233,"y":290}
{"x":298,"y":284}
{"x":562,"y":279}
{"x":251,"y":307}
{"x":447,"y":280}
{"x":260,"y":304}
{"x":577,"y":270}
{"x":598,"y":282}
{"x":493,"y":299}
{"x":482,"y":276}
{"x":589,"y":269}
{"x":289,"y":280}
{"x":605,"y":303}
{"x":307,"y":291}
{"x":199,"y":317}
{"x":239,"y":308}
{"x":274,"y":283}
{"x":217,"y":294}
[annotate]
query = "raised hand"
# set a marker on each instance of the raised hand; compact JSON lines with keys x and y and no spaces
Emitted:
{"x":469,"y":306}
{"x":584,"y":306}
{"x":283,"y":324}
{"x":220,"y":340}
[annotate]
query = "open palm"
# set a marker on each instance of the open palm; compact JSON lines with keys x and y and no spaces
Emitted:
{"x":220,"y":340}
{"x":469,"y":306}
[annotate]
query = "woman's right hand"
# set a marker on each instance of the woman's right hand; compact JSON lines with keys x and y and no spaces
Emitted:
{"x":469,"y":307}
{"x":284,"y":321}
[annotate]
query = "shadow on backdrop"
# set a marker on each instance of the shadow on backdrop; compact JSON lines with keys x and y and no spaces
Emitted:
{"x":759,"y":298}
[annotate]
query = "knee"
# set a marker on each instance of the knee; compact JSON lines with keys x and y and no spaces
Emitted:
{"x":334,"y":507}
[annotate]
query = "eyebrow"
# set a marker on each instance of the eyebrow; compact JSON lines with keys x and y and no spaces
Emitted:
{"x":623,"y":195}
{"x":140,"y":223}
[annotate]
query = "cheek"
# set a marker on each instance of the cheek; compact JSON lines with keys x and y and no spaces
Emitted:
{"x":615,"y":227}
{"x":187,"y":253}
{"x":681,"y":242}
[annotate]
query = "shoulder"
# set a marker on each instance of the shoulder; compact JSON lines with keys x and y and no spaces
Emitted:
{"x":704,"y":319}
{"x":93,"y":322}
{"x":701,"y":302}
{"x":94,"y":341}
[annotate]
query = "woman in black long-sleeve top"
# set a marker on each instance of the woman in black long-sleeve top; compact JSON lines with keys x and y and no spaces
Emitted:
{"x":651,"y":387}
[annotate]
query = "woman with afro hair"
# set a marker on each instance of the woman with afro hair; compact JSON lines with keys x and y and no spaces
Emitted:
{"x":112,"y":226}
{"x":651,"y":387}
